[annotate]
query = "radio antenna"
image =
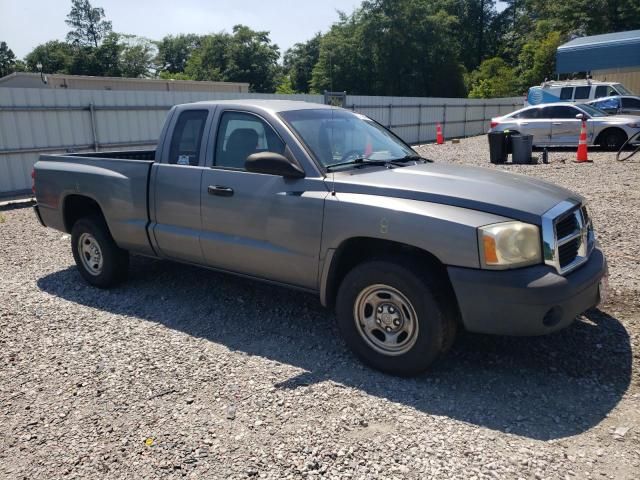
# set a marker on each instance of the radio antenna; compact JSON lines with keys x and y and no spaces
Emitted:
{"x":331,"y":144}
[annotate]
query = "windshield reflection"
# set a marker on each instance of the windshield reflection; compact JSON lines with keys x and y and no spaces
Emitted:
{"x":336,"y":136}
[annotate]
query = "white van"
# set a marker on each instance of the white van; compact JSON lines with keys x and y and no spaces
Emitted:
{"x":576,"y":91}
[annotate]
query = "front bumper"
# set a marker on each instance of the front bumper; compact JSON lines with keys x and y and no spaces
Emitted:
{"x":527,"y":301}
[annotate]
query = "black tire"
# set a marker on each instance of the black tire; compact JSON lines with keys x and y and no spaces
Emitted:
{"x":435,"y":315}
{"x":612,"y":139}
{"x":115,"y":261}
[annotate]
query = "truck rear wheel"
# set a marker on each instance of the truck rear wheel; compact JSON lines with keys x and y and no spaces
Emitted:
{"x":394,"y":318}
{"x":100,"y":261}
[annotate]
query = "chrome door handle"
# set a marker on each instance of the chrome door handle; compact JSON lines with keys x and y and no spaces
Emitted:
{"x":220,"y":191}
{"x":557,"y":123}
{"x":524,"y":123}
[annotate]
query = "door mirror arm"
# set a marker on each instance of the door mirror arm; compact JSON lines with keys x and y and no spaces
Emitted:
{"x":272,"y":163}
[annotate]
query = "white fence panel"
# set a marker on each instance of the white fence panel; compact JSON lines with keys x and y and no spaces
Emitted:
{"x":35,"y":121}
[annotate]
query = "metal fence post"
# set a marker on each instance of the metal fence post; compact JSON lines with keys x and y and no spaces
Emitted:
{"x":444,"y":119}
{"x":419,"y":121}
{"x":390,"y":111}
{"x":464,"y":125}
{"x":484,"y":117}
{"x":92,"y":112}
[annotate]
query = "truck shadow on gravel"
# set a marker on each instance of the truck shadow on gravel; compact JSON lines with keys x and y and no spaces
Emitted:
{"x":542,"y":388}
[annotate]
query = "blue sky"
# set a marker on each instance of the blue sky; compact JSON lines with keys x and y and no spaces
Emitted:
{"x":27,"y":23}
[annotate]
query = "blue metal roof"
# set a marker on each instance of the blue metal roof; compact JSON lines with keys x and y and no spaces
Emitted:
{"x":598,"y":52}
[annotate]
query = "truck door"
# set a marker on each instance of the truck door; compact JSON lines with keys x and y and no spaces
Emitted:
{"x":257,"y":224}
{"x":175,"y":187}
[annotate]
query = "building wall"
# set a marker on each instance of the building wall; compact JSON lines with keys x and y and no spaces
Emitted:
{"x":629,"y":77}
{"x":82,"y":82}
{"x":35,"y":121}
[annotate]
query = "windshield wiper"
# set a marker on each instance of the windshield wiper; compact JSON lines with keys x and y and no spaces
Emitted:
{"x":360,"y":161}
{"x":411,"y":158}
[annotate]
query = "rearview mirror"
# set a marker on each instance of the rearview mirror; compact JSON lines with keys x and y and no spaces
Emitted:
{"x":272,"y":163}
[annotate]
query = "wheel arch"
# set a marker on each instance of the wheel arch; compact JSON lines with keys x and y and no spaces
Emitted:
{"x":75,"y":207}
{"x":598,"y":140}
{"x":353,"y":251}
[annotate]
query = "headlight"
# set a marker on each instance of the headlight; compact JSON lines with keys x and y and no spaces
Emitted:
{"x":509,"y":245}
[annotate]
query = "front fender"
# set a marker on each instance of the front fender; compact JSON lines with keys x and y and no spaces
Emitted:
{"x":446,"y":232}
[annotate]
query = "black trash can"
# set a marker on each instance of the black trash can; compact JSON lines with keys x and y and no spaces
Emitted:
{"x":508,"y":145}
{"x":497,"y":147}
{"x":522,"y":148}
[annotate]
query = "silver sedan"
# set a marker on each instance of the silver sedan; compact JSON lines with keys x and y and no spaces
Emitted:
{"x":558,"y":124}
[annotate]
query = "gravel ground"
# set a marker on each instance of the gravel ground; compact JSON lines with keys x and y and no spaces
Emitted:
{"x":182,"y":372}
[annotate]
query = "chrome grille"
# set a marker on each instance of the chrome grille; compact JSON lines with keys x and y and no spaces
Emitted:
{"x":567,"y":236}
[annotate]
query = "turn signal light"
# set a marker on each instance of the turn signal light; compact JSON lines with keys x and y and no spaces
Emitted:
{"x":33,"y":181}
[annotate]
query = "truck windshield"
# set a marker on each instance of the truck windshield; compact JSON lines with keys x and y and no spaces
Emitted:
{"x":622,"y":89}
{"x":341,"y":137}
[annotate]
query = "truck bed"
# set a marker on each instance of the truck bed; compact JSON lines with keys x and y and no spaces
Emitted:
{"x":117,"y":181}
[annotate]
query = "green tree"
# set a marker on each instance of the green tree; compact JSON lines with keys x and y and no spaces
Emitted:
{"x":137,"y":56}
{"x":587,"y":17}
{"x":210,"y":59}
{"x":299,"y":61}
{"x":285,"y":86}
{"x":7,"y":60}
{"x":252,"y":58}
{"x":476,"y":22}
{"x":174,"y":52}
{"x":537,"y":59}
{"x":493,"y":79}
{"x":244,"y":56}
{"x":55,"y":57}
{"x":393,"y":47}
{"x":88,"y":23}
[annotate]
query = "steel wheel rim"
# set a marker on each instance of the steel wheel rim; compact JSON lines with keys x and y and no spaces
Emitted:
{"x":386,"y":320}
{"x":90,"y":254}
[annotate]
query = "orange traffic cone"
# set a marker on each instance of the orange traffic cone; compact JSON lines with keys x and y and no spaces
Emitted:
{"x":439,"y":136}
{"x":582,"y":155}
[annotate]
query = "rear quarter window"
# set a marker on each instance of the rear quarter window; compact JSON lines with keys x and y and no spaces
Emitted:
{"x":531,"y":113}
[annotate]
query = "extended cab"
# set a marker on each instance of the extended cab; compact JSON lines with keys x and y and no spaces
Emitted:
{"x":326,"y":200}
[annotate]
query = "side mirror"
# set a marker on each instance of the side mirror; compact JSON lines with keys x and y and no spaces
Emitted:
{"x":581,"y":116}
{"x":272,"y":163}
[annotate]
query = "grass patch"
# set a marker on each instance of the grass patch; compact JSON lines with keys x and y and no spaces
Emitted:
{"x":2,"y":218}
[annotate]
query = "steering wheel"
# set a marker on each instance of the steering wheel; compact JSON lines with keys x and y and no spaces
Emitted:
{"x":351,"y":155}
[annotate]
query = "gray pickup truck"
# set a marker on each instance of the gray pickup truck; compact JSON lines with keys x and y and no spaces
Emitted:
{"x":325,"y":200}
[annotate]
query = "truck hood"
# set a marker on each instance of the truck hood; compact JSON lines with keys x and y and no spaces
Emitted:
{"x":514,"y":196}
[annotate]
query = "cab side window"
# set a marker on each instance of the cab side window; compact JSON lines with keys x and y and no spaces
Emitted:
{"x":186,"y":140}
{"x":566,"y":93}
{"x":632,"y":103}
{"x":582,"y":93}
{"x":605,"y":91}
{"x":242,"y":134}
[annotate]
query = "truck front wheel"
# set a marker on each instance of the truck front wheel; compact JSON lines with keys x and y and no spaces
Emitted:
{"x":100,"y":261}
{"x":393,"y":317}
